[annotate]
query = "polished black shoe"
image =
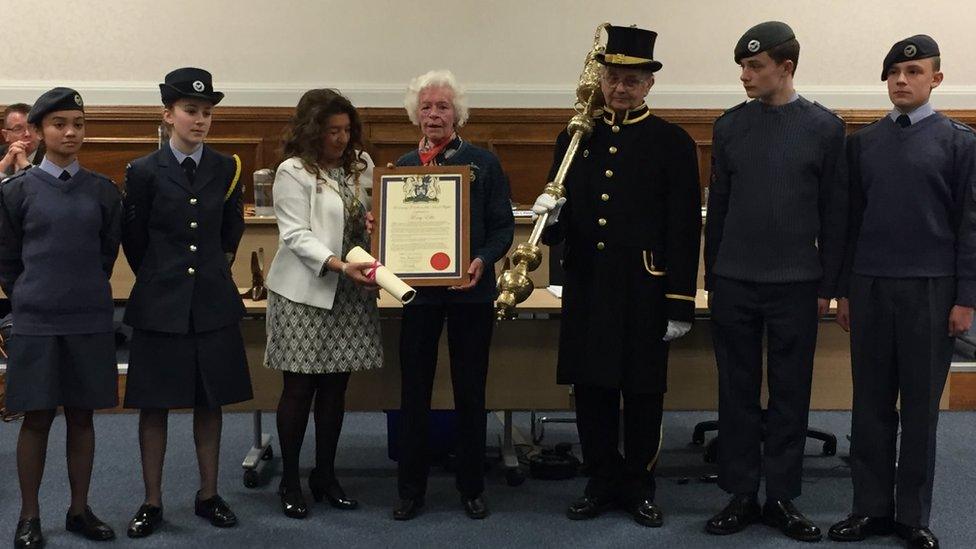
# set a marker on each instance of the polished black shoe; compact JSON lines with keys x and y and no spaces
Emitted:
{"x":647,"y":513}
{"x":859,"y":528}
{"x":917,"y":538}
{"x":408,"y":509}
{"x":28,"y":534}
{"x":88,"y":525}
{"x":216,"y":511}
{"x":475,"y":507}
{"x":741,"y":511}
{"x":293,"y":503}
{"x":783,"y":515}
{"x":587,"y":508}
{"x":148,"y":518}
{"x":329,"y":488}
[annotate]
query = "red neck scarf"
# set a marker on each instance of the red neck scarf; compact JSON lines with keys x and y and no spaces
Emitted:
{"x":428,"y":151}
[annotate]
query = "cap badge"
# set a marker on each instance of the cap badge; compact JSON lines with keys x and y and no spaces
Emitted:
{"x":753,"y":46}
{"x":78,"y":99}
{"x":910,"y":50}
{"x":198,"y":86}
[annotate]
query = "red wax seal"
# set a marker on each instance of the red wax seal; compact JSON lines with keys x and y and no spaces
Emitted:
{"x":440,"y":261}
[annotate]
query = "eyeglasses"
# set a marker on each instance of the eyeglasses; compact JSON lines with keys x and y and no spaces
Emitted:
{"x":18,"y":130}
{"x":630,"y":82}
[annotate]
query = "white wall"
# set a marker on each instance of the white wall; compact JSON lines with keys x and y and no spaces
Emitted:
{"x":509,"y":53}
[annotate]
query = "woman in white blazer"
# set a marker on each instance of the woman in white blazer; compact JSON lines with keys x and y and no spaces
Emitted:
{"x":322,"y":320}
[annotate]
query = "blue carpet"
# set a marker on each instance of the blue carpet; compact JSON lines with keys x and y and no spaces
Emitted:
{"x":530,"y":515}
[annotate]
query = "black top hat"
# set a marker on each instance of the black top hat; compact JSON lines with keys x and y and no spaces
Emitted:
{"x":189,"y":82}
{"x":57,"y":99}
{"x":920,"y":46}
{"x":630,"y":48}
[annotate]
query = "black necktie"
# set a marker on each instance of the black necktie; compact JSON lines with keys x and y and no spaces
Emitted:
{"x":189,"y":168}
{"x":64,"y":176}
{"x":903,"y":120}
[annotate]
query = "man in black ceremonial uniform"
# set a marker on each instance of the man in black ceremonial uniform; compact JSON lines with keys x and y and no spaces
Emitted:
{"x":909,"y":283}
{"x":774,"y":240}
{"x":631,"y":223}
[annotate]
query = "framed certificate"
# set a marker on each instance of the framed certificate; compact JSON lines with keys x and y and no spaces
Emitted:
{"x":422,"y":223}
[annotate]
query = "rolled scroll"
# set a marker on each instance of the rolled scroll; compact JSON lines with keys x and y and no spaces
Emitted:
{"x":383,"y":275}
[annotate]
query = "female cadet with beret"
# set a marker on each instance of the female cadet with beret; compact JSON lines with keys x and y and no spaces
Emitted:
{"x":183,"y":223}
{"x":321,"y":324}
{"x":58,"y":244}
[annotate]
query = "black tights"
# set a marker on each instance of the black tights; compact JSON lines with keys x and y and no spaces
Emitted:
{"x":32,"y":451}
{"x":299,"y":390}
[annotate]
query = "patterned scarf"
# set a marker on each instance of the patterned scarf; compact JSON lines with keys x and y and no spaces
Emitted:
{"x":428,"y":151}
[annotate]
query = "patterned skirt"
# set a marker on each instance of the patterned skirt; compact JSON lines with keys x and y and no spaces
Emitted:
{"x":312,"y":340}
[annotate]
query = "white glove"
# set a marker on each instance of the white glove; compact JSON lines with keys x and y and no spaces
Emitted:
{"x":676,"y":329}
{"x":546,"y":203}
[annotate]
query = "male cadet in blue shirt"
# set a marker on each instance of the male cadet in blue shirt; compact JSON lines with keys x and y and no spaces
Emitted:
{"x":910,"y":278}
{"x":774,"y":242}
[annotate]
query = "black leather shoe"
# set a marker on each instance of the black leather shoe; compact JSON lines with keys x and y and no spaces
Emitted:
{"x":88,"y":525}
{"x":859,"y":528}
{"x":587,"y":508}
{"x":647,"y":513}
{"x":28,"y":534}
{"x":216,"y":511}
{"x":475,"y":507}
{"x":329,"y":488}
{"x":741,"y":511}
{"x":918,"y":538}
{"x":408,"y":509}
{"x":293,"y":503}
{"x":783,"y":515}
{"x":147,"y":519}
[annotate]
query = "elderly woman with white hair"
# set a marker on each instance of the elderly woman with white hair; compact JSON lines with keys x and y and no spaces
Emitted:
{"x":437,"y":104}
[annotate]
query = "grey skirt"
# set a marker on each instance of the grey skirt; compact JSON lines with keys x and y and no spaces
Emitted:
{"x":311,"y":340}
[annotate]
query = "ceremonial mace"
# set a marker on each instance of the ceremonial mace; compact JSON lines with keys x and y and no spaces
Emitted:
{"x":514,"y":285}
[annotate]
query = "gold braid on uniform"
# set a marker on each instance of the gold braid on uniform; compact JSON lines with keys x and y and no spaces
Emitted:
{"x":657,"y":453}
{"x":237,"y":177}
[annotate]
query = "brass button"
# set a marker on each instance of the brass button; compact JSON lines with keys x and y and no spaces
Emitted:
{"x":600,"y":245}
{"x":602,"y":222}
{"x":615,"y":129}
{"x":193,"y":201}
{"x":193,"y":224}
{"x":604,"y":197}
{"x":613,"y":150}
{"x":193,"y":247}
{"x":609,"y":173}
{"x":586,"y":152}
{"x":191,"y":271}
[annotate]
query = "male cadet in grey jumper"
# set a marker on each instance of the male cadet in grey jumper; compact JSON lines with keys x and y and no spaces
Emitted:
{"x":774,"y":242}
{"x":910,"y":276}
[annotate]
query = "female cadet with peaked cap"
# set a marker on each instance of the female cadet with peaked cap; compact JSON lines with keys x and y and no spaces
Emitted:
{"x":183,"y":223}
{"x":58,"y":244}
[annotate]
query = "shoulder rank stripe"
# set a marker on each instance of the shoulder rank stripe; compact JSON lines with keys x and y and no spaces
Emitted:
{"x":681,"y":297}
{"x":237,"y":176}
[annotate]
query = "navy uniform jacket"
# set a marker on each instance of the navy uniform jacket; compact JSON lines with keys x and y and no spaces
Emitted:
{"x":180,"y":240}
{"x":492,"y":224}
{"x":632,"y":231}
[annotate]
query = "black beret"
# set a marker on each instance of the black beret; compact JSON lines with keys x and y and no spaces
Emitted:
{"x":920,"y":46}
{"x":58,"y":99}
{"x":630,"y":48}
{"x":189,"y":82}
{"x":762,"y":37}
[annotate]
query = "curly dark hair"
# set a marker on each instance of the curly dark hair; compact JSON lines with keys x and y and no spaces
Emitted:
{"x":303,"y":137}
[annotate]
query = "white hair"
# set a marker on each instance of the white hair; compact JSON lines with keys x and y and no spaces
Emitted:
{"x":436,"y":79}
